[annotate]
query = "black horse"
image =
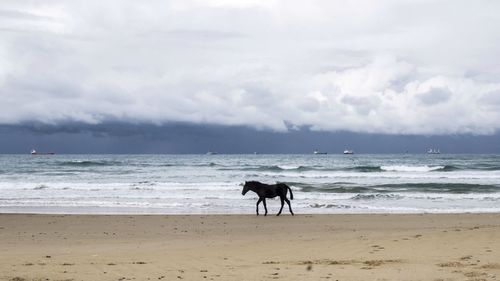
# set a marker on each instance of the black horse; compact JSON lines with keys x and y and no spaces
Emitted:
{"x":269,"y":191}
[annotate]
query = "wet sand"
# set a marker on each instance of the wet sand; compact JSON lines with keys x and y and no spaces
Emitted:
{"x":240,"y":247}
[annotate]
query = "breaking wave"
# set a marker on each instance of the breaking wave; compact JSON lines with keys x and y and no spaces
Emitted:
{"x":403,"y":168}
{"x":360,"y":168}
{"x":341,"y":187}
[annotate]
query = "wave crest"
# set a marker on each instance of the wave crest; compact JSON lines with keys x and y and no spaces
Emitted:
{"x":404,"y":168}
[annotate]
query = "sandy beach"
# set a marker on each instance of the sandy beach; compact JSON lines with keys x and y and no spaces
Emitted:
{"x":246,"y":247}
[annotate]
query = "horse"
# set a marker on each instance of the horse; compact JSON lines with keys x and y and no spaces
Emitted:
{"x":269,"y":191}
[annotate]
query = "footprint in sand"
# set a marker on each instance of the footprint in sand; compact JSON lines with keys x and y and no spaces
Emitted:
{"x":451,"y":264}
{"x":464,"y":258}
{"x":474,"y":274}
{"x":17,"y":279}
{"x":491,"y":266}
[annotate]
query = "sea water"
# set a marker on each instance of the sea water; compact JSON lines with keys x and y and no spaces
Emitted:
{"x":211,"y":184}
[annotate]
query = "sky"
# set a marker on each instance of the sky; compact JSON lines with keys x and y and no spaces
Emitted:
{"x":315,"y":71}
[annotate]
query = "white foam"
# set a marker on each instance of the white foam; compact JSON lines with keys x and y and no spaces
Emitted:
{"x":403,"y":168}
{"x":288,"y":167}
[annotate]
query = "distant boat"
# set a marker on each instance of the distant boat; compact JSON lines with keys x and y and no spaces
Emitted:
{"x":433,"y":151}
{"x":211,"y":153}
{"x":348,"y":151}
{"x":34,"y":152}
{"x":318,"y":152}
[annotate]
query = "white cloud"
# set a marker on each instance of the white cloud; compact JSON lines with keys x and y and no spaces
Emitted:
{"x":388,"y":67}
{"x":435,"y":96}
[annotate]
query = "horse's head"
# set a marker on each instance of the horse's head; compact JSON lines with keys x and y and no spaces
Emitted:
{"x":246,"y":188}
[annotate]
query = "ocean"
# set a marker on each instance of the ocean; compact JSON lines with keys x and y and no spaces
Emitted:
{"x":211,"y":184}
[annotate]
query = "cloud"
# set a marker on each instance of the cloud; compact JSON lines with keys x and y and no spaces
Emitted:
{"x":362,"y":105}
{"x":126,"y":138}
{"x":434,"y":96}
{"x":395,"y":67}
{"x":490,"y":100}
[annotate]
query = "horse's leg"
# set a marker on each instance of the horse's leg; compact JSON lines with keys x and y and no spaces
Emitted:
{"x":265,"y":205}
{"x":258,"y":202}
{"x":289,"y":206}
{"x":282,"y":203}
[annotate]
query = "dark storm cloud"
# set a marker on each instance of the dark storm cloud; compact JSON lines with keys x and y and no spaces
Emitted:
{"x":193,"y":138}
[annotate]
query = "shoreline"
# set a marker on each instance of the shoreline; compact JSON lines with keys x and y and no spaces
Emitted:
{"x":270,"y":214}
{"x":251,"y":212}
{"x":249,"y":247}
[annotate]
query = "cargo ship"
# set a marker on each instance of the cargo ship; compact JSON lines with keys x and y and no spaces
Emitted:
{"x":34,"y":152}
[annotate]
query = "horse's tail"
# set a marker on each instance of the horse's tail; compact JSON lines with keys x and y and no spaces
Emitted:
{"x":289,"y":189}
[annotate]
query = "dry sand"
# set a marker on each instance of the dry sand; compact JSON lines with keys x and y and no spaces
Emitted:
{"x":238,"y":247}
